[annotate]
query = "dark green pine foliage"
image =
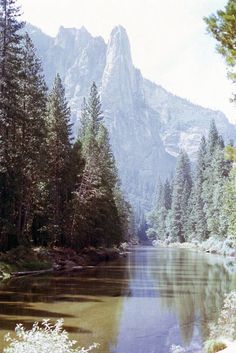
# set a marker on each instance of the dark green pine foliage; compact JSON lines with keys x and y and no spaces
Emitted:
{"x":197,"y":224}
{"x":94,"y":109}
{"x":208,"y":186}
{"x":217,"y":223}
{"x":11,"y":116}
{"x":203,"y":210}
{"x":125,"y":215}
{"x":217,"y":169}
{"x":59,"y":161}
{"x":31,"y":139}
{"x":181,"y":191}
{"x":222,"y":26}
{"x":95,"y":218}
{"x":167,"y":194}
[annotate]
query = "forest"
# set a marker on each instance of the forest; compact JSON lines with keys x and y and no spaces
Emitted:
{"x":198,"y":203}
{"x":55,"y":189}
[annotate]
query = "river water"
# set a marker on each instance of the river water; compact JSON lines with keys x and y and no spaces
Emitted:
{"x":144,"y":303}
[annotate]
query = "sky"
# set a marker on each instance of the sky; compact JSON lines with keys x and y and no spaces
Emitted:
{"x":169,"y":41}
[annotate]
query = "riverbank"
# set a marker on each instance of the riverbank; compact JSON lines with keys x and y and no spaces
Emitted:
{"x":211,"y":245}
{"x":23,"y":261}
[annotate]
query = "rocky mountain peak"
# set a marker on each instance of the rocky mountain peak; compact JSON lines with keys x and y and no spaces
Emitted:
{"x":119,"y":73}
{"x":148,"y":125}
{"x":119,"y":41}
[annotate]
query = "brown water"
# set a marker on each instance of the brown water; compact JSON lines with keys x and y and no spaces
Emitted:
{"x":140,"y":304}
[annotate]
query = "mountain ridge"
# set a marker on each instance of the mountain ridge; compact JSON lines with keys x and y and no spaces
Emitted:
{"x":148,"y":125}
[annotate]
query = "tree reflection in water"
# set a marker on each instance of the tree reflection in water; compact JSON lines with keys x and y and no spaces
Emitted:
{"x":173,"y":294}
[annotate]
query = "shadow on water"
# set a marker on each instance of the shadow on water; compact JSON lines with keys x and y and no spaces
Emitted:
{"x":143,"y":303}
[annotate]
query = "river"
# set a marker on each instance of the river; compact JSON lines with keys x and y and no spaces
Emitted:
{"x":144,"y":303}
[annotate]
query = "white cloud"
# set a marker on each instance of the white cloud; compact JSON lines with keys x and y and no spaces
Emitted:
{"x":168,"y":39}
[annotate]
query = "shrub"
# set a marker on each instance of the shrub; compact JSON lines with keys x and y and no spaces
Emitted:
{"x":226,"y":324}
{"x":44,"y":338}
{"x":214,"y":346}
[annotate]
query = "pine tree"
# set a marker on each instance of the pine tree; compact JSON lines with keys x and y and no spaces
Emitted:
{"x":157,"y":217}
{"x":106,"y":158}
{"x":31,"y":138}
{"x":197,"y":225}
{"x":217,"y":225}
{"x":153,"y":218}
{"x":229,"y":204}
{"x":222,"y":26}
{"x":125,"y":214}
{"x":10,"y":116}
{"x":167,"y":194}
{"x":94,"y":108}
{"x":59,"y":159}
{"x":181,"y":192}
{"x":217,"y":169}
{"x":98,"y":189}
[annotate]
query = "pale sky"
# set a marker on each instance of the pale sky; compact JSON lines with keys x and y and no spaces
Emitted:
{"x":168,"y":40}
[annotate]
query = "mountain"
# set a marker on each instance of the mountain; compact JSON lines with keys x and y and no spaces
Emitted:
{"x":148,"y":125}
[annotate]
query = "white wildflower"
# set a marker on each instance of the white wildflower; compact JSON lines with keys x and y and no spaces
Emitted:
{"x":45,"y":338}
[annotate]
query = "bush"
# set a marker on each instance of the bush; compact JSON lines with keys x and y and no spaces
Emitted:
{"x":226,"y":325}
{"x":214,"y":346}
{"x":44,"y":338}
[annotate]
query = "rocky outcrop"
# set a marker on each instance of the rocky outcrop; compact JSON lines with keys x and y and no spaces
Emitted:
{"x":148,"y":125}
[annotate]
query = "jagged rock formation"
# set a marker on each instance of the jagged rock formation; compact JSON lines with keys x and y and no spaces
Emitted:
{"x":148,"y":125}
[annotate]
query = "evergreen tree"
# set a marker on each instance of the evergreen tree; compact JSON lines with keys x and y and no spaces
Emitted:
{"x":157,"y":217}
{"x":197,"y":225}
{"x":217,"y":169}
{"x":181,"y":192}
{"x":222,"y":26}
{"x":155,"y":227}
{"x":10,"y":69}
{"x":31,"y":139}
{"x":59,"y":160}
{"x":167,"y":194}
{"x":106,"y":158}
{"x":229,"y":204}
{"x":94,"y":108}
{"x":98,"y":189}
{"x":217,"y":225}
{"x":10,"y":114}
{"x":125,"y":214}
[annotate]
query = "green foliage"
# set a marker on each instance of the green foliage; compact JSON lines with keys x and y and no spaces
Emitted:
{"x":229,"y":204}
{"x":182,"y":186}
{"x":99,"y":187}
{"x":59,"y":155}
{"x":213,"y":346}
{"x":222,"y":26}
{"x":230,"y":153}
{"x":157,"y":219}
{"x":52,"y":192}
{"x":226,"y":324}
{"x":205,"y":207}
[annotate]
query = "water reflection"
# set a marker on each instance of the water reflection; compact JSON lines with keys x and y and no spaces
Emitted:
{"x":90,"y":302}
{"x":173,"y":295}
{"x":145,"y":303}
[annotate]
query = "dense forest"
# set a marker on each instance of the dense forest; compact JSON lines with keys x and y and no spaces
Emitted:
{"x":54,"y":190}
{"x":200,"y":203}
